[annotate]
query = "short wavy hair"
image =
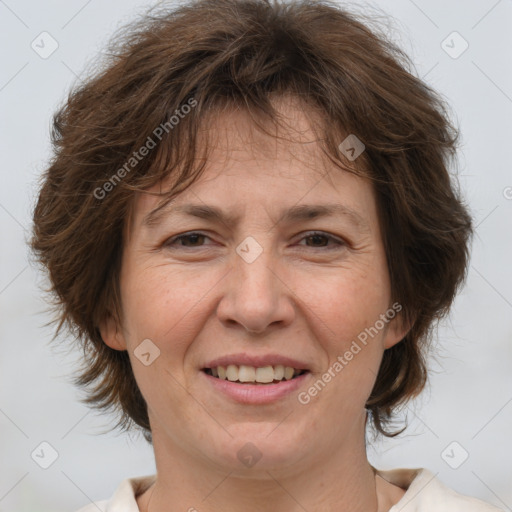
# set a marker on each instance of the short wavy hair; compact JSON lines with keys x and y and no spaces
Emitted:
{"x":218,"y":54}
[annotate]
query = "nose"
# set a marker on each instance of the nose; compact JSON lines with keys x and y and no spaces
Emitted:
{"x":256,"y":295}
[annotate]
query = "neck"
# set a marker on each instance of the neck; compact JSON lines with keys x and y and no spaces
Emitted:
{"x":341,"y":480}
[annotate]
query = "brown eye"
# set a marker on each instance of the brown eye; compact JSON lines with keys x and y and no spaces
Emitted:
{"x":187,"y":240}
{"x":318,"y":240}
{"x":321,"y":240}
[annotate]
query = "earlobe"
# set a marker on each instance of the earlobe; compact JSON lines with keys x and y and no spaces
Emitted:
{"x":111,"y":334}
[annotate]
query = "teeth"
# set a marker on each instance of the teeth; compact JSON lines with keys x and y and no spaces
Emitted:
{"x":288,"y":373}
{"x":232,"y":372}
{"x":279,"y":372}
{"x":263,"y":375}
{"x":246,"y":374}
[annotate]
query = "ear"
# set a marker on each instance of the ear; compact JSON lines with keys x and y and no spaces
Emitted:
{"x":111,"y":334}
{"x":397,"y":328}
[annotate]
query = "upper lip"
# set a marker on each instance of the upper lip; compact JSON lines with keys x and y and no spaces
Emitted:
{"x":257,"y":361}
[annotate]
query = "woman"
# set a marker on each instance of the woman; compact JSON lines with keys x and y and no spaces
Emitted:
{"x":249,"y":224}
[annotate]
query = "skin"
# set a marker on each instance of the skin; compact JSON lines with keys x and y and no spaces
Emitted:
{"x":304,"y":298}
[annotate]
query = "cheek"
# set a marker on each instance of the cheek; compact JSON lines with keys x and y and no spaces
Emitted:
{"x":166,"y":306}
{"x":163,"y":303}
{"x":345,"y":301}
{"x":344,"y":305}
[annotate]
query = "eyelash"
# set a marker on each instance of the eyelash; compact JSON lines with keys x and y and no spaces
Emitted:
{"x":339,"y":243}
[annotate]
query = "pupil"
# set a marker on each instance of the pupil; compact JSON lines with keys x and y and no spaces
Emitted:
{"x":317,"y":237}
{"x":193,"y":238}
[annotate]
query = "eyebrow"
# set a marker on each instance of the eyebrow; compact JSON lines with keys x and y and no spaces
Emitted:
{"x":302,"y":212}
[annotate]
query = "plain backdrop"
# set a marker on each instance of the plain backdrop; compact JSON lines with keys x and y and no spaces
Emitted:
{"x":463,"y":419}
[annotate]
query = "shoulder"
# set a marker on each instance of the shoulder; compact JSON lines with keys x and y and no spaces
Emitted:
{"x":426,"y":493}
{"x":124,"y":498}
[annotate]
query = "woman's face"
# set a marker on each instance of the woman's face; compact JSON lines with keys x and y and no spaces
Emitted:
{"x":265,"y":285}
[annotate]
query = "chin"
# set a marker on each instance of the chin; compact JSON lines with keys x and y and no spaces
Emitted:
{"x":258,"y":446}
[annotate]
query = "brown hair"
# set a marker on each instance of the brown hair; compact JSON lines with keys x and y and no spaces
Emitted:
{"x":210,"y":54}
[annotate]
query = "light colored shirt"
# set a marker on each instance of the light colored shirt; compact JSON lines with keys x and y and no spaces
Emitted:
{"x":424,"y":493}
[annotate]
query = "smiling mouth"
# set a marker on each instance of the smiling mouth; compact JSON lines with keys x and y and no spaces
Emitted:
{"x":244,"y":374}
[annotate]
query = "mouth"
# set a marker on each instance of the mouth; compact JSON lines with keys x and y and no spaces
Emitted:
{"x":264,"y":375}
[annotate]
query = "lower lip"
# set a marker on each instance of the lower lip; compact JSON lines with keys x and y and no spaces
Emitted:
{"x":256,"y":394}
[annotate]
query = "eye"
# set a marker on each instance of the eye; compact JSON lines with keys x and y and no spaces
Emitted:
{"x":321,"y":240}
{"x":314,"y":239}
{"x":192,"y":239}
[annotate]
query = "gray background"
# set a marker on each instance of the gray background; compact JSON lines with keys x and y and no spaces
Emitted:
{"x":469,"y":400}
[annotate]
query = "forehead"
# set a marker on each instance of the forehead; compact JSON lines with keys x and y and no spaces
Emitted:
{"x":241,"y":137}
{"x":245,"y":152}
